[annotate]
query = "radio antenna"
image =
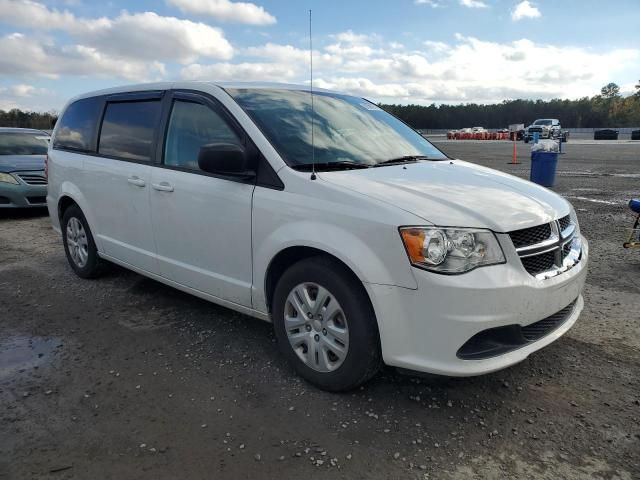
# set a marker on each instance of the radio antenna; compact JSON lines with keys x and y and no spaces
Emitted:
{"x":313,"y":148}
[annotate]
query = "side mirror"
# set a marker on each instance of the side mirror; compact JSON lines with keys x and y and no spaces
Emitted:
{"x":224,"y":159}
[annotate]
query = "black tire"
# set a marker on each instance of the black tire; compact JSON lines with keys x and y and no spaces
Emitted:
{"x":363,"y":358}
{"x":93,"y":266}
{"x":526,"y":139}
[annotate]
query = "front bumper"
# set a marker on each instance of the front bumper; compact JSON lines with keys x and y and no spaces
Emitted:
{"x":423,"y":329}
{"x":22,"y":195}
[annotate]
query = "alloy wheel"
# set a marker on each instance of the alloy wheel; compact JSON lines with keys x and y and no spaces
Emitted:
{"x":77,"y":242}
{"x":316,"y":327}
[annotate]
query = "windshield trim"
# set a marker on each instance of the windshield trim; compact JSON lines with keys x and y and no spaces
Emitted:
{"x":294,"y":166}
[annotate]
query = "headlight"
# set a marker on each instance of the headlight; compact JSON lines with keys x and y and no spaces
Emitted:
{"x":451,"y":250}
{"x":574,"y":219}
{"x":6,"y":178}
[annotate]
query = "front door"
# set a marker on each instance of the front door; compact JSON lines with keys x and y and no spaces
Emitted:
{"x":202,"y":223}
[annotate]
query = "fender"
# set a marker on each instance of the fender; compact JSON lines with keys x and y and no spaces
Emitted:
{"x":68,"y":189}
{"x":341,"y":243}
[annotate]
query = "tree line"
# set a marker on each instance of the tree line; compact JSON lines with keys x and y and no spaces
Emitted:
{"x":21,"y":119}
{"x":608,"y":109}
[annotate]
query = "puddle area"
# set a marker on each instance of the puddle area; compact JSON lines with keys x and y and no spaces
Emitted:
{"x":21,"y":353}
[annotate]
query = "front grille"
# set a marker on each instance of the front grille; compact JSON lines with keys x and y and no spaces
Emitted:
{"x":564,"y":222}
{"x":500,"y":340}
{"x":539,"y":263}
{"x":530,"y":236}
{"x":544,"y":251}
{"x":33,"y":179}
{"x":540,"y":329}
{"x":37,"y":200}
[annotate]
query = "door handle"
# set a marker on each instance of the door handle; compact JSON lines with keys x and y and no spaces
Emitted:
{"x":162,"y":187}
{"x":137,"y":181}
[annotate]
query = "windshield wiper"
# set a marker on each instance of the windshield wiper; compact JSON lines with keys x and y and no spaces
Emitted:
{"x":401,"y":160}
{"x":337,"y":165}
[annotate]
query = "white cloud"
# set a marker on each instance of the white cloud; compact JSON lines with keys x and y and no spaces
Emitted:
{"x":33,"y":14}
{"x":25,"y":56}
{"x":246,"y":72}
{"x":436,"y":47}
{"x":226,"y":10}
{"x":431,"y":3}
{"x":363,"y":86}
{"x":351,"y":37}
{"x":473,"y":4}
{"x":151,"y":36}
{"x":465,"y":70}
{"x":142,"y":36}
{"x":21,"y":96}
{"x":525,"y":10}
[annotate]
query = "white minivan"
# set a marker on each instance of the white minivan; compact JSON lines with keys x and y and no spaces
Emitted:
{"x":361,"y":241}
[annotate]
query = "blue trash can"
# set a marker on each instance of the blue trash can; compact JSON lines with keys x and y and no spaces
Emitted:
{"x":543,"y":168}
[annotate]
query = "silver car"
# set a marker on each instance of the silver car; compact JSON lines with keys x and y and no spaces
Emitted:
{"x":23,"y":182}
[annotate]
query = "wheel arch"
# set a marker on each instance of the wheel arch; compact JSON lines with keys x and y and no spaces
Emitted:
{"x":292,"y":255}
{"x":71,"y":195}
{"x":65,"y":202}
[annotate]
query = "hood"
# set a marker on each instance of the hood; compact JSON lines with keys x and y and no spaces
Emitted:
{"x":18,"y":163}
{"x":456,"y":194}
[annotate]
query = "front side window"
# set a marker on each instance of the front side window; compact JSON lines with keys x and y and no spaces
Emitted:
{"x":346,"y":129}
{"x":23,"y":144}
{"x":77,"y":127}
{"x":191,"y":126}
{"x":128,"y":129}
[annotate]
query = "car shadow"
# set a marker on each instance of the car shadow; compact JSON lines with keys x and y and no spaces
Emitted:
{"x":22,"y":213}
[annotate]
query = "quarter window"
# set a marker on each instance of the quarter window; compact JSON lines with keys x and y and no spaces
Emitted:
{"x":128,"y":129}
{"x":77,"y":126}
{"x":191,"y":126}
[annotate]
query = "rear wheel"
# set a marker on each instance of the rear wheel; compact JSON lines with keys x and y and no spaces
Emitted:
{"x":79,"y":246}
{"x":325,"y":325}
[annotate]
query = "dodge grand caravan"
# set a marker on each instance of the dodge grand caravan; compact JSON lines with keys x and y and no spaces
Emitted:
{"x":360,"y":240}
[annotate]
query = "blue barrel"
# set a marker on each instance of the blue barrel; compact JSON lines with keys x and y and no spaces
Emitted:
{"x":543,"y":168}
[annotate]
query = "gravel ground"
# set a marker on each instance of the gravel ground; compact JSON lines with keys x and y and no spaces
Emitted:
{"x":125,"y":378}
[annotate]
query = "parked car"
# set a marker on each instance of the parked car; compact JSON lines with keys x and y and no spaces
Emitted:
{"x":22,"y":162}
{"x":360,"y":240}
{"x":606,"y":134}
{"x":545,"y":127}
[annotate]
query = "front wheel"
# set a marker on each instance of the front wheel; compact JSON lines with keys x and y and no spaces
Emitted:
{"x":325,"y":325}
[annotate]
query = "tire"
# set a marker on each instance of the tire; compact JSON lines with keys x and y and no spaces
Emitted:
{"x":79,"y":245}
{"x":359,"y":356}
{"x":526,"y":139}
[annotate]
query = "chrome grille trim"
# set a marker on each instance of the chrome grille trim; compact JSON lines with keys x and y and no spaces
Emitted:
{"x":33,"y":178}
{"x":563,"y":242}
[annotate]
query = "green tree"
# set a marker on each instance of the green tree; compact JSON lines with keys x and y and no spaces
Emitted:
{"x":610,"y":90}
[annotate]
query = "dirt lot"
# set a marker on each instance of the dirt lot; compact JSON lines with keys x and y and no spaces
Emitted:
{"x":125,"y":378}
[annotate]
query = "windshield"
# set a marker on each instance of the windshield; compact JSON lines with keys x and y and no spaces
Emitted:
{"x":347,"y":130}
{"x":23,"y":144}
{"x":542,"y":122}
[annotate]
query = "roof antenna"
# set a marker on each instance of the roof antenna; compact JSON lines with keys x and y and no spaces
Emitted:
{"x":313,"y":148}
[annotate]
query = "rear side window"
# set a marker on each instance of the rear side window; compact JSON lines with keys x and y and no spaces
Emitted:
{"x":77,"y":127}
{"x":128,"y":129}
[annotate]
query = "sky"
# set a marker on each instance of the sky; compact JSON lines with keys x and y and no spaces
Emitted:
{"x":391,"y":51}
